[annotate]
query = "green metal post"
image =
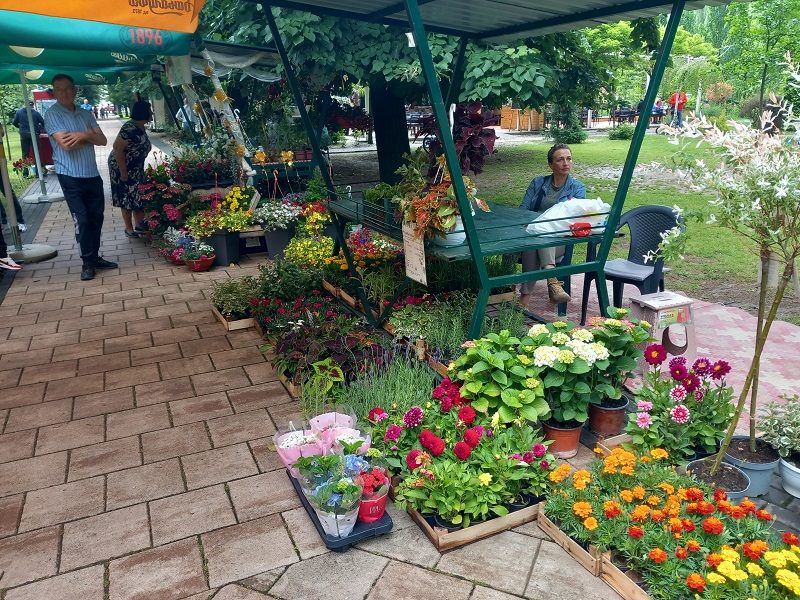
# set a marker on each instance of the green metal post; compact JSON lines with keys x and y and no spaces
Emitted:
{"x":458,"y":74}
{"x":451,"y":158}
{"x":332,"y":196}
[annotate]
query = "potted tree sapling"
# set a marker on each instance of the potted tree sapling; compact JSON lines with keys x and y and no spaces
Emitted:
{"x":756,"y":184}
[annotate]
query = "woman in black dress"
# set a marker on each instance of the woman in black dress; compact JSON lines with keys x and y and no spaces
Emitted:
{"x":126,"y":166}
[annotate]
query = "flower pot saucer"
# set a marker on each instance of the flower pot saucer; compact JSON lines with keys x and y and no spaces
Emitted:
{"x":360,"y":531}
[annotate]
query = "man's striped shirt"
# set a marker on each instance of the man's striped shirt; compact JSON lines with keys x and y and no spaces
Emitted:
{"x":80,"y":162}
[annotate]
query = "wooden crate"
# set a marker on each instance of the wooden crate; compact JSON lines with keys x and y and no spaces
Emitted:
{"x":232,"y":325}
{"x":294,"y":390}
{"x":608,"y":444}
{"x":440,"y":368}
{"x":590,"y":560}
{"x":620,"y":581}
{"x":443,"y":540}
{"x":500,"y":298}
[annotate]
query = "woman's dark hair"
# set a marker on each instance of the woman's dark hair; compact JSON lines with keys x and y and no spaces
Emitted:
{"x":554,"y":149}
{"x":141,"y":111}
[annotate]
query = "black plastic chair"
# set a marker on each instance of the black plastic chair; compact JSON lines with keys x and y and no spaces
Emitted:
{"x":646,"y":224}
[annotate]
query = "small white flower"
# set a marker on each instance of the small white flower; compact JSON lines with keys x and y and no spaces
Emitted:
{"x":711,"y":219}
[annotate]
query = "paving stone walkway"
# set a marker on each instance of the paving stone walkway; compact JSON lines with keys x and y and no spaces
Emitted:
{"x":135,"y":460}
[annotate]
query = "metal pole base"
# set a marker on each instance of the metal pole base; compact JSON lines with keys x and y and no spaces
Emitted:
{"x":33,"y":253}
{"x":42,"y":198}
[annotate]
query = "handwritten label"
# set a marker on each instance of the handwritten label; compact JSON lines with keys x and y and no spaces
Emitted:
{"x":414,"y":249}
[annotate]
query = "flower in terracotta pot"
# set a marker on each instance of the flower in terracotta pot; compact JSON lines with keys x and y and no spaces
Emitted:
{"x":197,"y":250}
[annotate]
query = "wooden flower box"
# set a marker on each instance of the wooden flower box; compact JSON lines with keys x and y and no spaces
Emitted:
{"x":608,"y":444}
{"x":443,"y":540}
{"x":291,"y":387}
{"x":500,"y":298}
{"x":232,"y":325}
{"x":621,"y":581}
{"x":589,"y":559}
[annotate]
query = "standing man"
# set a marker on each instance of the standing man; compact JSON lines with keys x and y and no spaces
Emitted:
{"x":25,"y":136}
{"x":677,"y":101}
{"x":74,"y":134}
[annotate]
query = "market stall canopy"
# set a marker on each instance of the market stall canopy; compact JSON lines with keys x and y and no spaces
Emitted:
{"x":255,"y":61}
{"x":168,"y":15}
{"x":491,"y":20}
{"x":43,"y":77}
{"x":33,"y":35}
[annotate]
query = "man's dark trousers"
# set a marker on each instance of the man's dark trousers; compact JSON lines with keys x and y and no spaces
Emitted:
{"x":26,"y":143}
{"x":86,"y":202}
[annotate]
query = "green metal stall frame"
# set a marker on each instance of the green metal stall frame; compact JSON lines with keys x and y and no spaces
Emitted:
{"x":415,"y":22}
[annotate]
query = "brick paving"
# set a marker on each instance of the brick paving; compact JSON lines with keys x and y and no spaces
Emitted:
{"x":135,"y":458}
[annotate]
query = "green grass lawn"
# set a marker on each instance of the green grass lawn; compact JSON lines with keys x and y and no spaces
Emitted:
{"x":716,"y":258}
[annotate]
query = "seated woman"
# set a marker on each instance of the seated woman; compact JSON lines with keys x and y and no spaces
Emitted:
{"x":543,"y":192}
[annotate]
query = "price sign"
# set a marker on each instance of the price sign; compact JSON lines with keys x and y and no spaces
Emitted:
{"x":678,"y":315}
{"x":414,"y":250}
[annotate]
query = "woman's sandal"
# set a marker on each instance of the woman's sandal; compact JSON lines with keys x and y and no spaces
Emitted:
{"x":131,"y":234}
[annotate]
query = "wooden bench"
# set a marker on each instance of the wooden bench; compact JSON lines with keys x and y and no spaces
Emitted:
{"x":501,"y":231}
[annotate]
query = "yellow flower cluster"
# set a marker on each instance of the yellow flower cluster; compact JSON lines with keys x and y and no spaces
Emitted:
{"x":309,"y":252}
{"x":729,"y":570}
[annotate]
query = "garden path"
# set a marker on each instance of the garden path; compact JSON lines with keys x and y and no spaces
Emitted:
{"x":135,"y":458}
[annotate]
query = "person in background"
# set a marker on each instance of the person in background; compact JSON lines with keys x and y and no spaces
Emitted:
{"x":676,"y":102}
{"x":640,"y":107}
{"x":20,"y":121}
{"x":103,"y":112}
{"x":126,"y":166}
{"x":17,"y":208}
{"x":86,"y":105}
{"x":6,"y":262}
{"x":96,"y":113}
{"x":543,"y":192}
{"x":74,"y":134}
{"x":187,"y":123}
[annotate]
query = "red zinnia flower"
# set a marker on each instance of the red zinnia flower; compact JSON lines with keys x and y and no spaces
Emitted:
{"x":679,"y":372}
{"x":688,"y":525}
{"x":411,"y":458}
{"x":694,"y":494}
{"x":791,"y":539}
{"x":436,"y":446}
{"x":425,"y":438}
{"x":720,"y":495}
{"x":466,"y":414}
{"x":472,"y":437}
{"x":705,"y":508}
{"x":655,"y":354}
{"x":462,"y":450}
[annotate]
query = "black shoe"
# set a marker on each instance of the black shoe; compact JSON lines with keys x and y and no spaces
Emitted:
{"x":102,"y":263}
{"x":87,"y":273}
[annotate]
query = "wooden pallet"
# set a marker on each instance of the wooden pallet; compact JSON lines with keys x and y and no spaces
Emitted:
{"x":621,"y":581}
{"x":590,"y":560}
{"x":608,"y":444}
{"x":443,"y":540}
{"x":232,"y":325}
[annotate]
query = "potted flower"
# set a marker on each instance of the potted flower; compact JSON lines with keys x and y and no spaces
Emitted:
{"x":22,"y":167}
{"x":434,"y":210}
{"x":278,"y":219}
{"x":570,"y":360}
{"x":334,"y":496}
{"x":374,"y":480}
{"x":437,"y":490}
{"x":780,"y":424}
{"x":223,"y":223}
{"x":621,"y":336}
{"x":233,"y":298}
{"x":292,"y":444}
{"x":198,"y":256}
{"x":684,"y":410}
{"x":209,"y":167}
{"x":497,"y":376}
{"x":173,"y":244}
{"x":161,"y":201}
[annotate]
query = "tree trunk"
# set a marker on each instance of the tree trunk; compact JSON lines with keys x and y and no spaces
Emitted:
{"x":391,"y":133}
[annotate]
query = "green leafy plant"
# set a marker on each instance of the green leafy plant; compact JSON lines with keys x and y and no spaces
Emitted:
{"x":780,"y":426}
{"x":622,"y":336}
{"x":623,"y":131}
{"x":499,"y":376}
{"x":232,"y":297}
